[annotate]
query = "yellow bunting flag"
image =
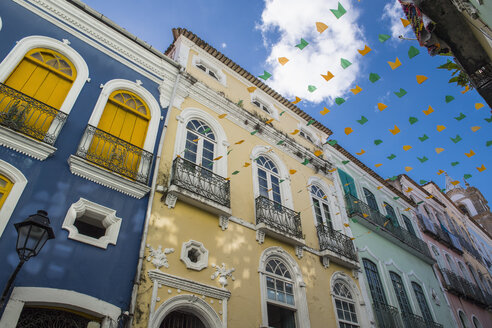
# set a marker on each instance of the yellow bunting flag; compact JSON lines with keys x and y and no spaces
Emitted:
{"x":396,"y":64}
{"x":440,"y":172}
{"x":324,"y":111}
{"x":296,"y":131}
{"x":440,"y":128}
{"x":454,"y":183}
{"x":395,"y":130}
{"x":386,"y":223}
{"x":269,"y":121}
{"x":196,"y":140}
{"x":283,"y":60}
{"x":466,"y":90}
{"x":408,"y":168}
{"x":365,"y":51}
{"x":475,"y":128}
{"x":297,"y":100}
{"x":407,"y":209}
{"x":227,"y":179}
{"x":429,"y":197}
{"x":379,"y":187}
{"x":246,"y":164}
{"x":470,"y":154}
{"x":405,"y":22}
{"x":348,"y":130}
{"x":251,"y":89}
{"x":382,"y":107}
{"x":217,"y":158}
{"x":428,"y":111}
{"x":346,"y":224}
{"x":239,"y":142}
{"x":337,"y":213}
{"x":407,"y":147}
{"x":362,"y":151}
{"x":479,"y":105}
{"x":332,"y":170}
{"x":481,"y":168}
{"x":318,"y":153}
{"x":269,"y":189}
{"x":325,"y":197}
{"x":321,"y":27}
{"x":292,"y":171}
{"x":352,"y":238}
{"x":328,"y":76}
{"x":222,"y":115}
{"x":409,"y":189}
{"x":365,"y":215}
{"x":378,"y":165}
{"x":356,"y":90}
{"x":439,"y":150}
{"x":421,"y":79}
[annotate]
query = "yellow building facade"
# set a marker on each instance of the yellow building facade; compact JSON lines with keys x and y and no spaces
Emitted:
{"x":245,"y":228}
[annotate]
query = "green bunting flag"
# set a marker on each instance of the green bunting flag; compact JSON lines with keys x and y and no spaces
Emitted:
{"x":339,"y":101}
{"x":280,"y":142}
{"x":454,"y":163}
{"x":393,"y":178}
{"x":390,"y":157}
{"x":423,"y":181}
{"x":306,"y":162}
{"x":229,"y":152}
{"x":363,"y":120}
{"x":312,"y":88}
{"x":396,"y":198}
{"x":282,"y":113}
{"x":423,"y":159}
{"x":378,"y":142}
{"x":240,"y":103}
{"x":459,"y":118}
{"x":345,"y":63}
{"x":265,"y":75}
{"x":467,"y":176}
{"x":489,"y":120}
{"x":332,"y":142}
{"x":420,"y":202}
{"x":207,"y":130}
{"x":488,"y":143}
{"x":448,"y":99}
{"x":339,"y":12}
{"x":302,"y":44}
{"x":235,"y":172}
{"x":412,"y":120}
{"x":400,"y":93}
{"x":423,"y":138}
{"x":254,"y":132}
{"x":412,"y":52}
{"x":443,"y":190}
{"x":345,"y":162}
{"x":373,"y":77}
{"x":383,"y":37}
{"x":456,"y":139}
{"x":310,"y":122}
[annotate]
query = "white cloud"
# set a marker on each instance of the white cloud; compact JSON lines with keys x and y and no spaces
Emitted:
{"x":223,"y":45}
{"x":291,"y":20}
{"x":393,"y":12}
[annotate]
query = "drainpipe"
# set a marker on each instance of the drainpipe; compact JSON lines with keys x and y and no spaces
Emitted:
{"x":145,"y":231}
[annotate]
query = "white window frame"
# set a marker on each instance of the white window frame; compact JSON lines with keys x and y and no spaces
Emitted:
{"x":357,"y":298}
{"x":199,"y":144}
{"x":188,"y":114}
{"x":199,"y":60}
{"x":474,"y":317}
{"x":107,"y":217}
{"x":17,"y":141}
{"x":93,"y":172}
{"x":299,"y":286}
{"x":413,"y":277}
{"x":267,"y":108}
{"x":19,"y":182}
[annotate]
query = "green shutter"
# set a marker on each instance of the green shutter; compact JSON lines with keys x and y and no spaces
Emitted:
{"x":348,"y":183}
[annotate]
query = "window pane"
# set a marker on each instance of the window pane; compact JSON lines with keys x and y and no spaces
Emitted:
{"x":271,"y":294}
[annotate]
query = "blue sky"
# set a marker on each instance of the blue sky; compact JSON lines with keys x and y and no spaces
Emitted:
{"x":255,"y":33}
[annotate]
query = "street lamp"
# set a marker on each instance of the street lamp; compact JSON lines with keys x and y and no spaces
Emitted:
{"x":32,"y":234}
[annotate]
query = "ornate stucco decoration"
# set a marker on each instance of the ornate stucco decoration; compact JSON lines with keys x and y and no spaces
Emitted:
{"x":223,"y":273}
{"x":158,"y":257}
{"x":194,"y":255}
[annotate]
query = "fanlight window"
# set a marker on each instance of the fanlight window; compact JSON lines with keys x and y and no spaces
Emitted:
{"x":345,"y":305}
{"x":280,"y":287}
{"x":268,"y":179}
{"x":5,"y":188}
{"x":320,"y":204}
{"x":200,"y":144}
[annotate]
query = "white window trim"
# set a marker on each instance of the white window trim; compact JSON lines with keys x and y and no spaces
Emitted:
{"x":18,"y":141}
{"x":474,"y":316}
{"x":357,"y":297}
{"x":467,"y":323}
{"x":282,"y":170}
{"x":110,"y":221}
{"x":198,"y":60}
{"x":272,"y":111}
{"x":413,"y":277}
{"x":302,"y":313}
{"x":307,"y":130}
{"x":332,"y":201}
{"x":407,"y":284}
{"x":188,"y":114}
{"x":19,"y":182}
{"x":200,"y":264}
{"x":61,"y":298}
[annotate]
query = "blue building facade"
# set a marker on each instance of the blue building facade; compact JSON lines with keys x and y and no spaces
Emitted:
{"x":66,"y":155}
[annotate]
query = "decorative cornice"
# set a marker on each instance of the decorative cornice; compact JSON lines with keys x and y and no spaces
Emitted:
{"x":25,"y":145}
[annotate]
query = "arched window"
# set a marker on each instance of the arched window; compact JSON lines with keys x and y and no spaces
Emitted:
{"x":12,"y":184}
{"x":268,"y":179}
{"x":451,"y":264}
{"x":181,"y":319}
{"x":476,"y":323}
{"x":424,"y":307}
{"x":200,"y":144}
{"x":464,"y":271}
{"x":401,"y":294}
{"x":463,"y":319}
{"x":374,"y":281}
{"x":409,"y":225}
{"x":280,"y":294}
{"x":320,"y":205}
{"x":390,"y":212}
{"x":345,"y":306}
{"x":371,"y":199}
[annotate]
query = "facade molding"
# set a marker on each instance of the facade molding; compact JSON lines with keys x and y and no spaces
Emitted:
{"x":19,"y":182}
{"x":199,"y":59}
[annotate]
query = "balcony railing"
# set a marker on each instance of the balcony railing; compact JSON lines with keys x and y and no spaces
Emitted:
{"x":201,"y":181}
{"x":470,"y":248}
{"x":455,"y":243}
{"x":387,"y":316}
{"x":278,"y":217}
{"x":115,"y":154}
{"x":411,"y":320}
{"x":28,"y":116}
{"x":330,"y":239}
{"x":465,"y":288}
{"x":361,"y":209}
{"x":427,"y":225}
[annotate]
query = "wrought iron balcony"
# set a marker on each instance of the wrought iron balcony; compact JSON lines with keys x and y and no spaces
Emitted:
{"x":335,"y":241}
{"x":387,"y":316}
{"x":427,"y":225}
{"x":201,"y":181}
{"x":356,"y":207}
{"x":470,"y":248}
{"x":28,"y":116}
{"x":455,"y":243}
{"x":115,"y":154}
{"x":278,"y":217}
{"x":452,"y":282}
{"x":411,"y":320}
{"x":464,"y":288}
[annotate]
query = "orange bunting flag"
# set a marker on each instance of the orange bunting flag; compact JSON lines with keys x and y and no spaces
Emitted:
{"x":440,"y":172}
{"x":470,"y":154}
{"x":321,"y":27}
{"x":479,"y":105}
{"x":356,"y":90}
{"x":364,"y":51}
{"x":365,"y":215}
{"x":239,"y":142}
{"x":407,"y":209}
{"x":405,"y":22}
{"x":297,"y":100}
{"x":407,"y":147}
{"x":475,"y":128}
{"x":251,"y":89}
{"x":439,"y":150}
{"x":395,"y":130}
{"x":421,"y":79}
{"x":325,"y":197}
{"x":324,"y":111}
{"x":378,"y":165}
{"x":328,"y":76}
{"x":222,"y":115}
{"x":346,"y":224}
{"x":318,"y":153}
{"x":348,"y":130}
{"x":429,"y":197}
{"x":386,"y":223}
{"x":296,"y":131}
{"x":246,"y":164}
{"x":379,"y":187}
{"x":227,"y":179}
{"x":466,"y":90}
{"x":408,"y":168}
{"x":352,"y":238}
{"x":396,"y":64}
{"x":454,"y":183}
{"x":440,"y":128}
{"x":269,"y":121}
{"x":332,"y":170}
{"x":292,"y":171}
{"x":428,"y":111}
{"x":196,"y":140}
{"x":217,"y":158}
{"x":481,"y":168}
{"x":283,"y":60}
{"x":409,"y":189}
{"x":362,"y":151}
{"x":382,"y":107}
